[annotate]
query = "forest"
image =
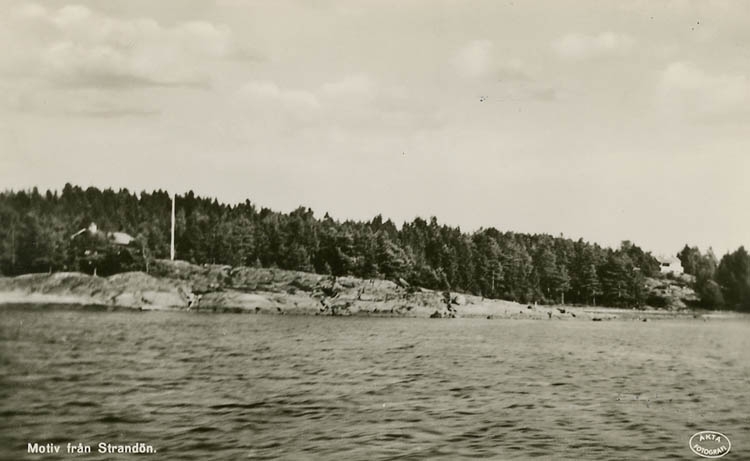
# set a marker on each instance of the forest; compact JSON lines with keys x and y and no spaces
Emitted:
{"x":36,"y":235}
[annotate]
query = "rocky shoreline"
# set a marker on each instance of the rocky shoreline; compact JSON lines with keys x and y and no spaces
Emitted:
{"x":180,"y":286}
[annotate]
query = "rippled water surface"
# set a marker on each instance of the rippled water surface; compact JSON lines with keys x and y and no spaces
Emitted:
{"x":224,"y":387}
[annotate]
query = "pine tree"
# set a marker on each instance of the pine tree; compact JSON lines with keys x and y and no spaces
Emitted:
{"x":590,"y":283}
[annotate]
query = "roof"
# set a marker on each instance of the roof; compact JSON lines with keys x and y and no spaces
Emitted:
{"x":120,"y":238}
{"x":667,"y":259}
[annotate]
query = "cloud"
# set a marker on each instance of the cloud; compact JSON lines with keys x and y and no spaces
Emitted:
{"x":114,"y":112}
{"x":270,"y":92}
{"x":350,"y":86}
{"x":581,"y":47}
{"x":75,"y":46}
{"x":355,"y":88}
{"x":686,"y":88}
{"x":29,"y":10}
{"x":545,"y":93}
{"x":512,"y":70}
{"x":84,"y":103}
{"x":474,"y":59}
{"x":101,"y":66}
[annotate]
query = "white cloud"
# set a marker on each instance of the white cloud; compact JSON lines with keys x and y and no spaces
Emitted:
{"x":87,"y":102}
{"x":350,"y":86}
{"x":76,"y":46}
{"x":580,"y":46}
{"x":475,"y":58}
{"x":271,"y":92}
{"x":72,"y":15}
{"x":686,"y":88}
{"x":29,"y":10}
{"x":354,"y":89}
{"x":513,"y":70}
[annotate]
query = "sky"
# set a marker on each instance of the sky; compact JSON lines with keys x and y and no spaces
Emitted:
{"x":606,"y":121}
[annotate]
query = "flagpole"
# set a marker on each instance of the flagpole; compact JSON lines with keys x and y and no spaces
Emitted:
{"x":171,"y":247}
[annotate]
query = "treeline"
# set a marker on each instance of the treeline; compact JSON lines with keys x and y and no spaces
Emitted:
{"x":36,"y":229}
{"x":719,"y":284}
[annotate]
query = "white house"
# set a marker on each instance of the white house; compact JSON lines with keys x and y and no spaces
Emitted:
{"x":119,"y":238}
{"x":670,"y":265}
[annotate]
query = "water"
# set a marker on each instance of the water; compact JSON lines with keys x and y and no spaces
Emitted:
{"x":225,"y":387}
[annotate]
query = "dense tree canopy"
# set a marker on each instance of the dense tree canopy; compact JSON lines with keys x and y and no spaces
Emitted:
{"x":36,"y":230}
{"x":733,"y":275}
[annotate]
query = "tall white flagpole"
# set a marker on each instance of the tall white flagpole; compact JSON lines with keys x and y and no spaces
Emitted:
{"x":171,"y":247}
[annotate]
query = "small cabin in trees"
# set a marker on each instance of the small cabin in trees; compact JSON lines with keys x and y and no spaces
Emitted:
{"x":670,"y":265}
{"x":118,"y":238}
{"x":103,"y":252}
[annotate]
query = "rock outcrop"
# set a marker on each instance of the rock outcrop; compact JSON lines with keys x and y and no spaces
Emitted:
{"x":178,"y":285}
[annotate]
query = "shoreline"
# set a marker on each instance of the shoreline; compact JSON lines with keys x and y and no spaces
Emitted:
{"x":180,"y":286}
{"x":13,"y":301}
{"x":490,"y":310}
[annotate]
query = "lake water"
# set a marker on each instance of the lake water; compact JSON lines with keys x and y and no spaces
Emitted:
{"x":226,"y":387}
